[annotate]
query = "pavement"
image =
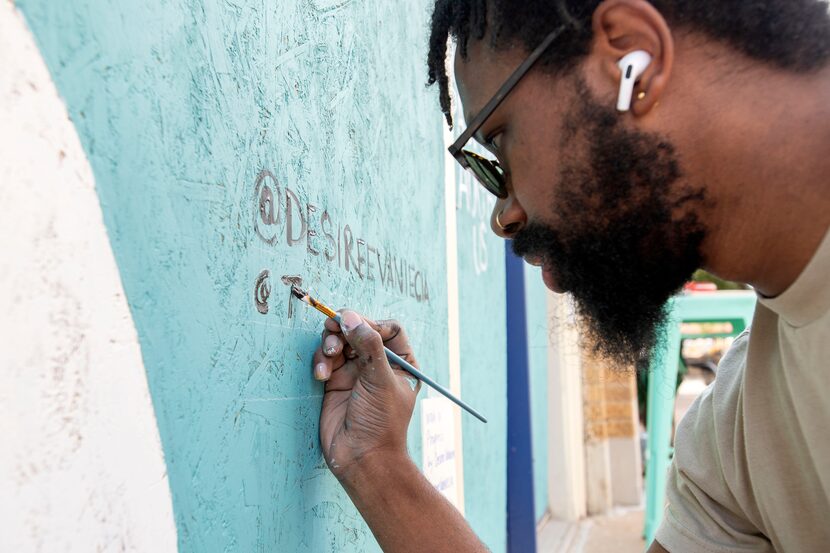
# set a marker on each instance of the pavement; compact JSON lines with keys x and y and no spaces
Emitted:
{"x":619,"y":531}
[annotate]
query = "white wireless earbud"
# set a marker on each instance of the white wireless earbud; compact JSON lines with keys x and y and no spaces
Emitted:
{"x":632,"y":66}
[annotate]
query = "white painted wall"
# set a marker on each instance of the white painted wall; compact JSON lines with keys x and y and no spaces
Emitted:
{"x":626,"y":469}
{"x":566,"y":446}
{"x":598,"y":491}
{"x":81,"y":466}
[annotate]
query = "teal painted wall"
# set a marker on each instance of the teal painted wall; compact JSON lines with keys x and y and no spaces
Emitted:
{"x":295,"y":137}
{"x":483,"y":362}
{"x":538,"y":338}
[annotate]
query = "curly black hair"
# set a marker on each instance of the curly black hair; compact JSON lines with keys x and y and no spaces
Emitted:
{"x":790,"y":34}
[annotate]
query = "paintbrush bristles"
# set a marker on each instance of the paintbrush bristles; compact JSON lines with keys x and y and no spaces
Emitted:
{"x":304,"y":297}
{"x":299,"y":293}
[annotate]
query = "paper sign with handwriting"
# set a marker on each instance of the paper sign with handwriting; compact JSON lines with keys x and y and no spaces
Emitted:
{"x":438,"y":434}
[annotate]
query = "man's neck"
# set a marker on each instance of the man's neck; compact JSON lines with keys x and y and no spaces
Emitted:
{"x":766,"y":151}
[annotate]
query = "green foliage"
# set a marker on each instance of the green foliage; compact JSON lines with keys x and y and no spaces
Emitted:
{"x":702,"y":276}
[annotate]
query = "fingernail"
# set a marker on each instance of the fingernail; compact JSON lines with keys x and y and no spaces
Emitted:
{"x":330,"y":346}
{"x":321,"y":372}
{"x":349,"y":320}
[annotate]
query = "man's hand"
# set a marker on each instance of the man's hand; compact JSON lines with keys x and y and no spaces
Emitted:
{"x":367,"y":403}
{"x":366,"y":412}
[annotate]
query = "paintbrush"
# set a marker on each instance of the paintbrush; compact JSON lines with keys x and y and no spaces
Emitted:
{"x":393,"y":357}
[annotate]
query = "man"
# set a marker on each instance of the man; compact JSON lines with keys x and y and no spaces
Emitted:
{"x":720,"y":162}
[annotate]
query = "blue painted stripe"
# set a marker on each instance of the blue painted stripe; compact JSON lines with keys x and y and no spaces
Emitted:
{"x":521,"y":522}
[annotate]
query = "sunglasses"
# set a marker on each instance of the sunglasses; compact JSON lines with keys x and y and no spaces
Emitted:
{"x":488,"y":171}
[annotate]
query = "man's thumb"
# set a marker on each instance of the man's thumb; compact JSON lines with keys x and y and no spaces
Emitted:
{"x":365,"y":341}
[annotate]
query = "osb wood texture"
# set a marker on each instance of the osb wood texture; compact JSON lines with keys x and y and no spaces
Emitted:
{"x":188,"y":111}
{"x":483,"y":345}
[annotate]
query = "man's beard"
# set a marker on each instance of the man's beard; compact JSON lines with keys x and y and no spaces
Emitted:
{"x":627,"y":234}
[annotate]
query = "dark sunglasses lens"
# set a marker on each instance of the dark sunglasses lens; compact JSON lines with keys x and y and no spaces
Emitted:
{"x":488,"y":174}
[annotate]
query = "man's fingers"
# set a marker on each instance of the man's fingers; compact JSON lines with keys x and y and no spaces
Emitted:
{"x":364,"y":340}
{"x":332,"y":345}
{"x":395,"y":338}
{"x":323,"y":364}
{"x":343,"y":378}
{"x":388,"y":329}
{"x":349,"y":353}
{"x":331,"y":325}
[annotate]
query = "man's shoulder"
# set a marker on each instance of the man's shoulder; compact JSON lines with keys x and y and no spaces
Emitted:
{"x":705,"y":434}
{"x":733,"y":362}
{"x":704,"y":491}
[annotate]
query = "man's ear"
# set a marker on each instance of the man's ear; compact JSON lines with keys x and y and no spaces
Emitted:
{"x":623,"y":26}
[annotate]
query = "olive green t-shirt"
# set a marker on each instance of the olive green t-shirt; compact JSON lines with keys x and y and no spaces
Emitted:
{"x":751,"y":470}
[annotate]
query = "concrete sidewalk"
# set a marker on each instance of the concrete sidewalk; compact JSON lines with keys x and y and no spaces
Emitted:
{"x":620,"y":531}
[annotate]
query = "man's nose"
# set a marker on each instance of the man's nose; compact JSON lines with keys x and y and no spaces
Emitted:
{"x":508,"y":218}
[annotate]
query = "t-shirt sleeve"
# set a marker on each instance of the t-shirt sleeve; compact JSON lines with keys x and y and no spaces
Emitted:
{"x":708,"y":495}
